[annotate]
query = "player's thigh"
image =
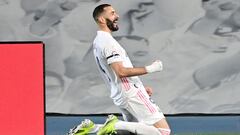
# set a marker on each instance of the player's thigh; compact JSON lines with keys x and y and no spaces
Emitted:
{"x":127,"y":116}
{"x":144,"y":110}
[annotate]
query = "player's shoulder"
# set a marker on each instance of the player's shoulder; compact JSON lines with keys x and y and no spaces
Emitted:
{"x":105,"y":42}
{"x":102,"y":38}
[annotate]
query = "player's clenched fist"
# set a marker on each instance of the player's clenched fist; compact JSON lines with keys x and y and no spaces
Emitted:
{"x":156,"y":66}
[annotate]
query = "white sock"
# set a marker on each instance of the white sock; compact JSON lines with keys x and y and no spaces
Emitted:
{"x":164,"y":131}
{"x":138,"y":128}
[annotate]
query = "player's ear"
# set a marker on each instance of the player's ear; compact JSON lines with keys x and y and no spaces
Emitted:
{"x":101,"y":19}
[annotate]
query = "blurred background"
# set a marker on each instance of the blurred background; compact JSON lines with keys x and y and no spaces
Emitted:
{"x":197,"y":40}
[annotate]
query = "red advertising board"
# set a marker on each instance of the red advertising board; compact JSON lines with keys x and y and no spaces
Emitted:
{"x":22,"y":88}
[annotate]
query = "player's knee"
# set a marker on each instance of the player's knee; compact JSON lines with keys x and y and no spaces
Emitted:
{"x":165,"y":131}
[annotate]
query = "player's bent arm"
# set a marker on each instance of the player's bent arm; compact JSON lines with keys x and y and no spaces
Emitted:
{"x":122,"y":71}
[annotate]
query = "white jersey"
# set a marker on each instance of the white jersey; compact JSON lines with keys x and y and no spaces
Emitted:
{"x":106,"y":51}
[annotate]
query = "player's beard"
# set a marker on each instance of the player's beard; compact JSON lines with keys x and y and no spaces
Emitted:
{"x":111,"y":25}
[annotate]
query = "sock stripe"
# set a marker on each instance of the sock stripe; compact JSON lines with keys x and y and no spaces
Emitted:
{"x":164,"y":131}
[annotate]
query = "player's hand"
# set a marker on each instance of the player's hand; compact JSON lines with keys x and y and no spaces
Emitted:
{"x":149,"y":90}
{"x":156,"y":66}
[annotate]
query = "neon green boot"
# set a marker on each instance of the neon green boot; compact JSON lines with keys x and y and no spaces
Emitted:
{"x":108,"y":127}
{"x":86,"y":127}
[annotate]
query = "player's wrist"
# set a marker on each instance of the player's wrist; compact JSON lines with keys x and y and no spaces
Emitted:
{"x":149,"y":69}
{"x":154,"y":67}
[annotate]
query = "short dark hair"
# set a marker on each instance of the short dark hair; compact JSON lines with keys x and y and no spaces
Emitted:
{"x":99,"y":10}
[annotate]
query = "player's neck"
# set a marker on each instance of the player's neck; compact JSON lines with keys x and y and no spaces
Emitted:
{"x":105,"y":29}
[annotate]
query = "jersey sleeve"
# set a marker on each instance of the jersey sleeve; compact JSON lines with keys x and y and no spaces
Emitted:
{"x":112,"y":54}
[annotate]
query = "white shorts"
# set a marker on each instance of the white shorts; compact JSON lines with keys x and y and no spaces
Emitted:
{"x":140,"y":108}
